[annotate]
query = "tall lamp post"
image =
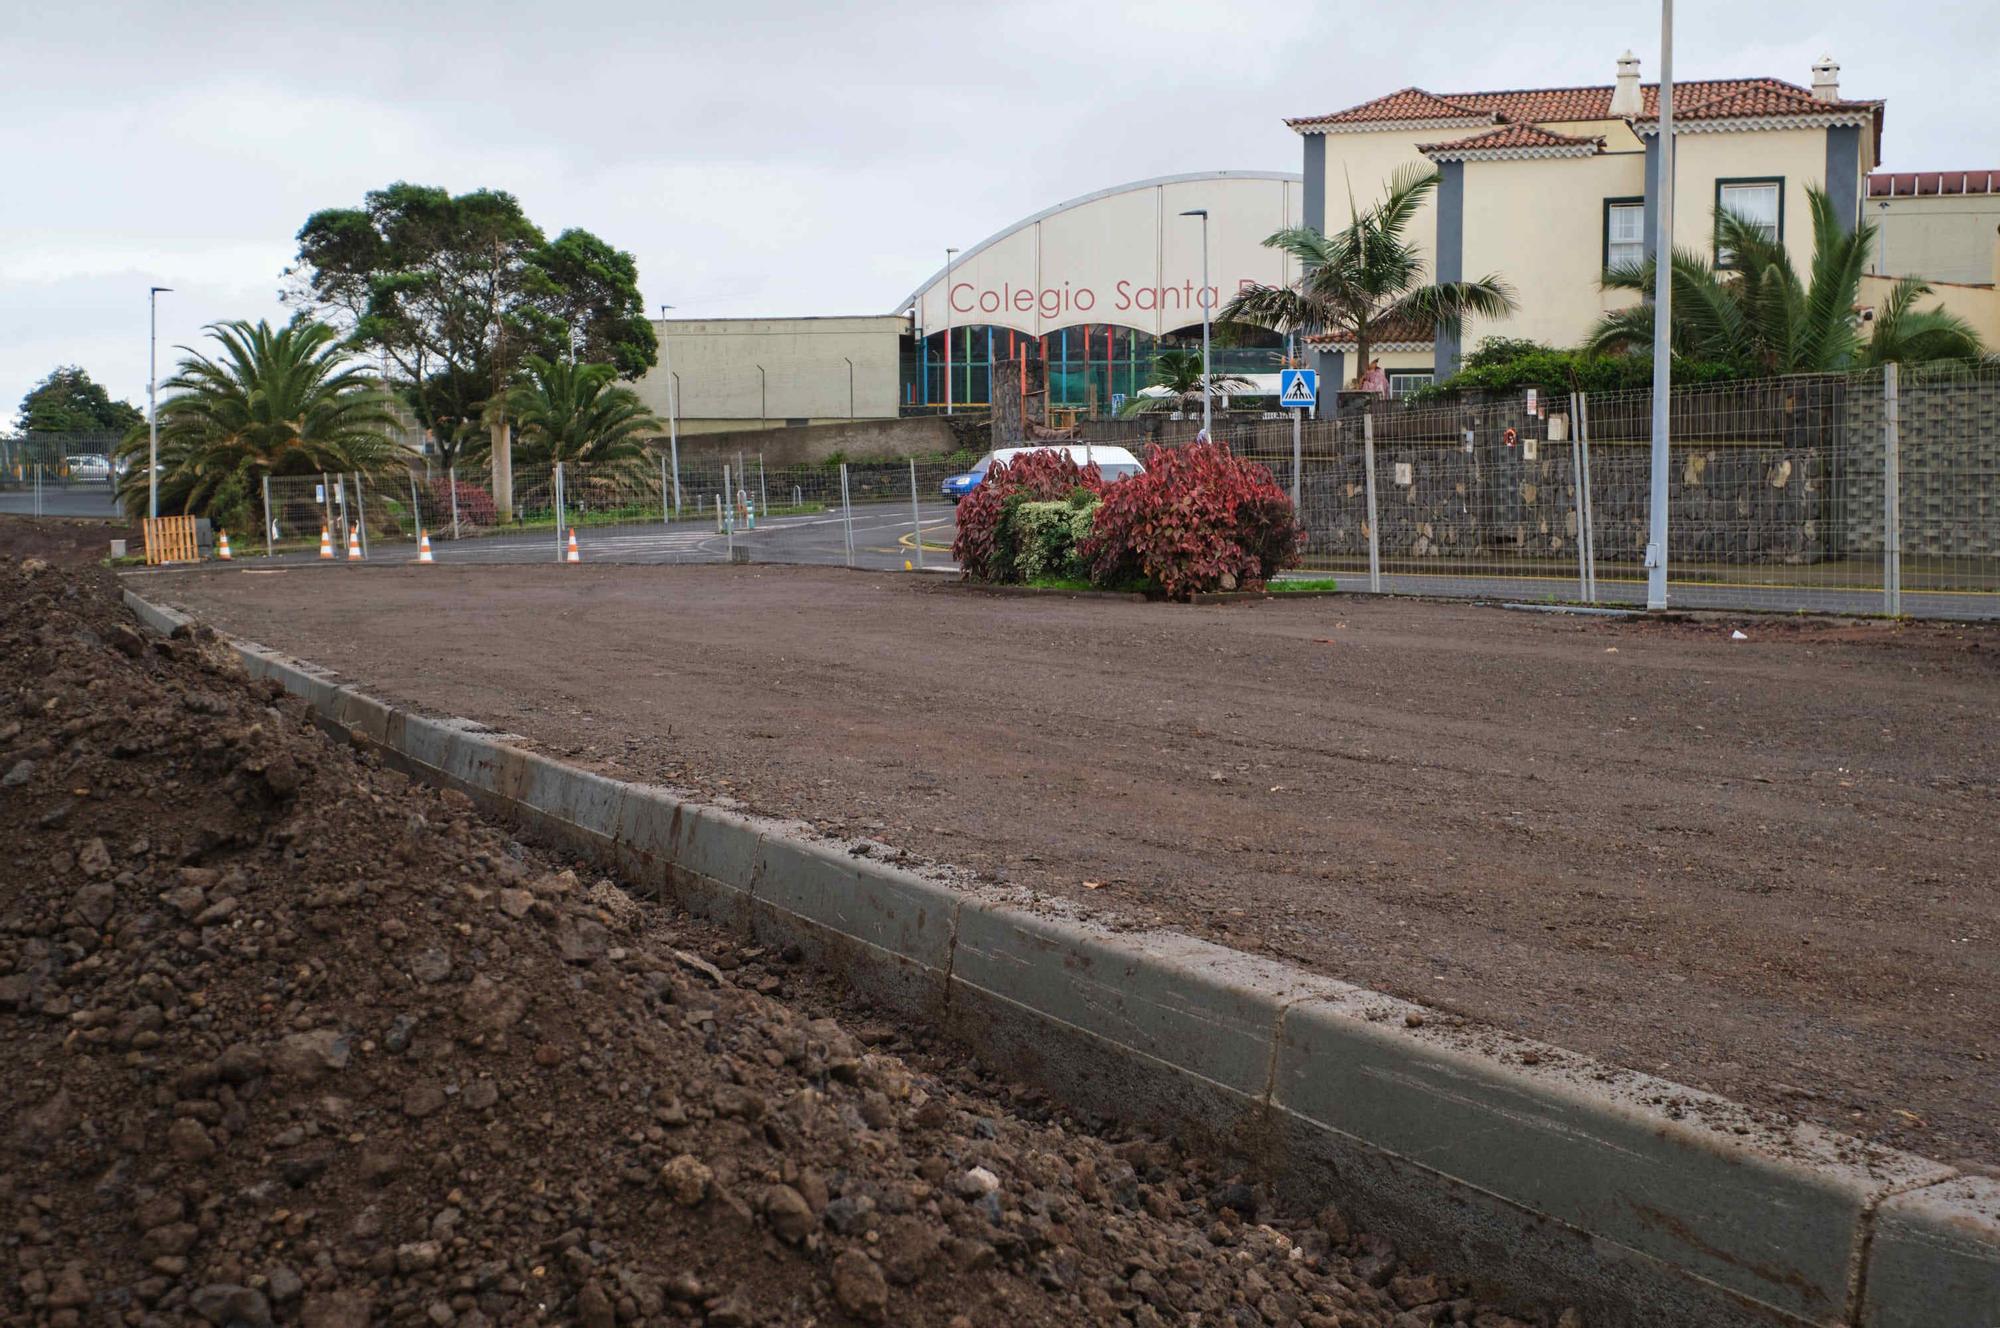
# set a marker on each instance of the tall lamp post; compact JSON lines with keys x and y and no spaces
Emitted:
{"x":1663,"y":313}
{"x":1207,"y":397}
{"x":673,"y":405}
{"x":949,"y":254}
{"x":153,"y":295}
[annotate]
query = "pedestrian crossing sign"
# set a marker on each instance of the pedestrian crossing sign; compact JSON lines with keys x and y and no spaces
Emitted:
{"x":1298,"y":387}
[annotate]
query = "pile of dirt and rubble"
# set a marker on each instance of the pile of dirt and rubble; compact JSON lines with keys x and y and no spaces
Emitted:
{"x":292,"y":1039}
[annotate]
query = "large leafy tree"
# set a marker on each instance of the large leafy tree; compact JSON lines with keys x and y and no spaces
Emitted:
{"x":1760,"y":317}
{"x":1178,"y":374}
{"x":265,"y":401}
{"x":1368,"y":277}
{"x":69,"y":401}
{"x":578,"y":413}
{"x":456,"y":291}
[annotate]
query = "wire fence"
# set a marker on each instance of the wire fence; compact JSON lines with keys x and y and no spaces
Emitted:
{"x":1873,"y":492}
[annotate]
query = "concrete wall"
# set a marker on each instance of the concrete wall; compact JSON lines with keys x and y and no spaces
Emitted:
{"x":1358,"y":169}
{"x":1539,"y":224}
{"x":1796,"y":155}
{"x":860,"y":440}
{"x":805,"y":363}
{"x":1977,"y":305}
{"x":1952,"y":237}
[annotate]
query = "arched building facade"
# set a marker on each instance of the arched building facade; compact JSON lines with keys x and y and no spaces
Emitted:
{"x":1096,"y":287}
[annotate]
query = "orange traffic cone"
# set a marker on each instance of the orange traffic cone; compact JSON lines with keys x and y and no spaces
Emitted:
{"x":325,"y":542}
{"x":222,"y":545}
{"x":574,"y":556}
{"x":354,"y":543}
{"x":424,"y":547}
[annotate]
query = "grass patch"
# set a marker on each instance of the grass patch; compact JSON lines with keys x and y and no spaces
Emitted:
{"x":1316,"y":585}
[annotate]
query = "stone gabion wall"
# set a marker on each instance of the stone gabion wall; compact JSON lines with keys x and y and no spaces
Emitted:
{"x":1736,"y":503}
{"x":1757,"y":479}
{"x":1949,"y":452}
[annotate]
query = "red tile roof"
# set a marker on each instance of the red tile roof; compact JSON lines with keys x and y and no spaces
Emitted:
{"x":1760,"y":98}
{"x":1386,"y":333}
{"x":1408,"y":104}
{"x":1915,"y":184}
{"x":1512,"y":137}
{"x":1700,"y":98}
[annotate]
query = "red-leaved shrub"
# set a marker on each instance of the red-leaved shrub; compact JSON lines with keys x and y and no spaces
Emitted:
{"x":982,"y":546}
{"x":1199,"y":519}
{"x":475,"y":506}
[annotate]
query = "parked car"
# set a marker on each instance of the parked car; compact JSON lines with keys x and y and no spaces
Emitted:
{"x":88,"y":467}
{"x":1113,"y":463}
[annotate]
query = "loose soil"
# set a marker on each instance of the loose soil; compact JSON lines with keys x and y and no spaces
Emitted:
{"x":1767,"y":867}
{"x":289,"y":1039}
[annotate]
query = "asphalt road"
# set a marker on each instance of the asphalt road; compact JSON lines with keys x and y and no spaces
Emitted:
{"x":881,"y":541}
{"x":60,"y":500}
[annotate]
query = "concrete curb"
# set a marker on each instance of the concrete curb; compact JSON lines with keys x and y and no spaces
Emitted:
{"x":1545,"y":1178}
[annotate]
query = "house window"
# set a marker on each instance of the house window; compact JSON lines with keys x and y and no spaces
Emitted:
{"x":1402,"y":382}
{"x":1759,"y":202}
{"x":1624,"y":232}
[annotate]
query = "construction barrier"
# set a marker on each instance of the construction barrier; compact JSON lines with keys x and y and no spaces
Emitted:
{"x":170,"y":539}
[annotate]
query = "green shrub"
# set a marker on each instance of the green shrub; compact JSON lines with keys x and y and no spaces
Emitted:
{"x":1512,"y":364}
{"x":1044,"y":536}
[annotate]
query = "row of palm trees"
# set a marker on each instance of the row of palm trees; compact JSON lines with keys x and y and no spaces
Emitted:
{"x":293,"y":400}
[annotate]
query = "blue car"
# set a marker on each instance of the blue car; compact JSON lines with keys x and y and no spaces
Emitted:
{"x":1113,"y":463}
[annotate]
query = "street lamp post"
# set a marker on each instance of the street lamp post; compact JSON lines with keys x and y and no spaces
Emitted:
{"x":1207,"y":394}
{"x":949,"y":254}
{"x":763,"y":400}
{"x":153,"y":295}
{"x":673,"y":405}
{"x":850,"y":386}
{"x":1663,"y":313}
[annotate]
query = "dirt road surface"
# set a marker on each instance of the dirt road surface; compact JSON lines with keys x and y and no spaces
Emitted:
{"x":1767,"y":867}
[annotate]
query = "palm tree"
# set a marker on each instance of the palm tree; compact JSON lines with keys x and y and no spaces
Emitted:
{"x":269,"y":402}
{"x":577,"y":413}
{"x":1367,"y":276}
{"x":1758,"y":316}
{"x":1179,"y":373}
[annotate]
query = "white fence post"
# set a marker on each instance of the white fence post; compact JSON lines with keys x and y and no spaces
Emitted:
{"x":451,"y":482}
{"x":1892,"y":493}
{"x":558,"y":480}
{"x":666,"y":496}
{"x":846,"y":515}
{"x":729,"y":521}
{"x":416,"y":507}
{"x":267,"y":515}
{"x":1576,"y":495}
{"x":1298,"y":427}
{"x":1589,"y":501}
{"x":916,"y":517}
{"x":361,"y":513}
{"x":1374,"y":534}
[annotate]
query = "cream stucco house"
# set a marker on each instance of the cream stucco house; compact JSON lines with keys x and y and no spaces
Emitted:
{"x":1546,"y":186}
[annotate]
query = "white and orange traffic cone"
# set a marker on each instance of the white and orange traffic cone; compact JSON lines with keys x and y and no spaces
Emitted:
{"x":222,"y":545}
{"x":424,"y":547}
{"x":354,"y":543}
{"x":325,"y":542}
{"x":574,"y":556}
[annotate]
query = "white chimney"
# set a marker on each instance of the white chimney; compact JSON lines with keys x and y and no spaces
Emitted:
{"x":1625,"y":96}
{"x":1826,"y":79}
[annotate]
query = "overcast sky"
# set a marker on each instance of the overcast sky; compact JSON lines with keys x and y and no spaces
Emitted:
{"x":765,"y":158}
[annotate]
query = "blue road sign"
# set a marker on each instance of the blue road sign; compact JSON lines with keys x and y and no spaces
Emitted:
{"x":1298,"y":388}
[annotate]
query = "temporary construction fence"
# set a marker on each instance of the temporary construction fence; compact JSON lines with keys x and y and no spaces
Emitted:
{"x":864,"y":513}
